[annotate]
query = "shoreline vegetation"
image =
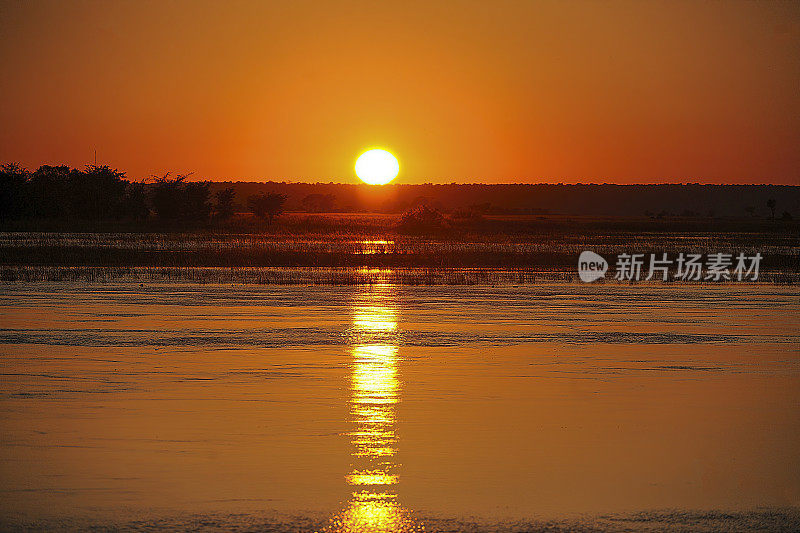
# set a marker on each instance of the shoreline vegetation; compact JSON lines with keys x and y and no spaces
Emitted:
{"x":352,"y":249}
{"x":58,"y":224}
{"x":667,"y":520}
{"x":334,"y":276}
{"x":61,"y":198}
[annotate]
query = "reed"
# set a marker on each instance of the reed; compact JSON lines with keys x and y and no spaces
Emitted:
{"x":339,"y":247}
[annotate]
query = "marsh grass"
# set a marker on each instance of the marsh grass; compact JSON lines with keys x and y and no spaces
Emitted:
{"x":313,"y":275}
{"x":279,"y":276}
{"x":340,"y":248}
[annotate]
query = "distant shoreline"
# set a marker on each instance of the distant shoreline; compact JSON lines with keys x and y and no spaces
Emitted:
{"x":346,"y":276}
{"x":533,"y":248}
{"x":670,"y":520}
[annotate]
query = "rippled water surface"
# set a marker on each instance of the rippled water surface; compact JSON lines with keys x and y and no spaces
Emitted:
{"x":386,"y":408}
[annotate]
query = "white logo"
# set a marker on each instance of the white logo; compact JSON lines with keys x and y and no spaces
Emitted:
{"x":687,"y":267}
{"x":591,"y":266}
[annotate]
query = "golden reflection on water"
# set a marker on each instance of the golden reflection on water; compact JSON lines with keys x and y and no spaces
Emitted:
{"x":369,"y":247}
{"x":374,"y":392}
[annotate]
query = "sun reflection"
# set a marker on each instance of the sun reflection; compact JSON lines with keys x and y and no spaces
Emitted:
{"x":373,"y":247}
{"x":373,"y":477}
{"x":378,"y":512}
{"x":373,"y":319}
{"x":374,"y":392}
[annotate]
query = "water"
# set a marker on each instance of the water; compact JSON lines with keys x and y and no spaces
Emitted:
{"x":390,"y":408}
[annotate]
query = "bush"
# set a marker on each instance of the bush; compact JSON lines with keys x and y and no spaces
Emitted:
{"x":13,"y":193}
{"x":421,"y":219}
{"x":266,"y":206}
{"x":224,"y":208}
{"x":98,"y":193}
{"x":175,"y":198}
{"x":135,"y":206}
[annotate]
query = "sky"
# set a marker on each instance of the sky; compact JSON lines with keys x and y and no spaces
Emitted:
{"x":495,"y":92}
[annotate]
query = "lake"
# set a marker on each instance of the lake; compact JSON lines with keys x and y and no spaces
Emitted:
{"x":384,"y":407}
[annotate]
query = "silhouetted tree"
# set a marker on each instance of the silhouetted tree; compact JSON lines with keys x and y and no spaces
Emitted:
{"x":266,"y":206}
{"x":178,"y":199}
{"x":13,"y":197}
{"x":48,"y":189}
{"x":135,"y":204}
{"x":167,"y":197}
{"x":97,"y":193}
{"x":223,"y":208}
{"x":197,"y":207}
{"x":421,"y":219}
{"x":771,"y":204}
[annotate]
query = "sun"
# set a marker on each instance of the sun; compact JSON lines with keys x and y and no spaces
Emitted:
{"x":377,"y":167}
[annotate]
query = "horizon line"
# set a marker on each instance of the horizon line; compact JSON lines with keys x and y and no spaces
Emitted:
{"x":582,"y":183}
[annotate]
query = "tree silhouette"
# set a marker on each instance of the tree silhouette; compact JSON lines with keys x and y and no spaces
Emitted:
{"x":177,"y":199}
{"x":13,"y":197}
{"x":97,"y":193}
{"x":771,"y":204}
{"x":266,"y":206}
{"x":48,"y":188}
{"x":421,"y":219}
{"x":196,"y":197}
{"x":167,"y":196}
{"x":224,"y":204}
{"x":135,"y":205}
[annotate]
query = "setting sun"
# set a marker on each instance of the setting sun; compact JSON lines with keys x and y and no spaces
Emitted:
{"x":377,"y":167}
{"x":262,"y":319}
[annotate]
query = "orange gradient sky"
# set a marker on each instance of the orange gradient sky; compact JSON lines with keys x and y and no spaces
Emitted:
{"x":529,"y":91}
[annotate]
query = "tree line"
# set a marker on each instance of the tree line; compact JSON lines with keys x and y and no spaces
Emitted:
{"x":98,"y":193}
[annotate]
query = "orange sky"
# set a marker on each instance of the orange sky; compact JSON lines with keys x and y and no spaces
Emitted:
{"x":528,"y":91}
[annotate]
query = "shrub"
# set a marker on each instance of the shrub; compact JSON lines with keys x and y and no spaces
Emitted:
{"x":266,"y":206}
{"x":175,"y":198}
{"x":223,"y":208}
{"x":421,"y":219}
